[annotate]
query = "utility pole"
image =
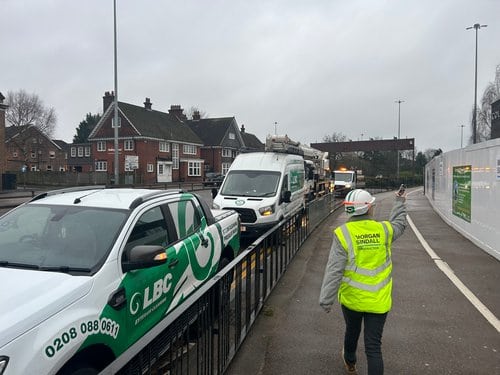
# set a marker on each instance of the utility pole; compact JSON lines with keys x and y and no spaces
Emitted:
{"x":399,"y":131}
{"x":476,"y":26}
{"x":115,"y":122}
{"x":462,"y":136}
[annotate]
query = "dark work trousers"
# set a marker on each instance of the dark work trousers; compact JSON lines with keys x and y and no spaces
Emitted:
{"x":374,"y":326}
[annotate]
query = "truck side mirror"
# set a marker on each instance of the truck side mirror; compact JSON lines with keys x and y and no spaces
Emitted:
{"x":144,"y":256}
{"x":287,"y":195}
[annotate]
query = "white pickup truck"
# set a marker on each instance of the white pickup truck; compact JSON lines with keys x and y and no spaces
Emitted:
{"x":85,"y":273}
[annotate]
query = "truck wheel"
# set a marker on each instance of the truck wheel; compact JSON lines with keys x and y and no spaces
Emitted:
{"x":78,"y":368}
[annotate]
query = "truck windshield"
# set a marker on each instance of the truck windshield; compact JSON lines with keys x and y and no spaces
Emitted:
{"x":251,"y":183}
{"x":343,"y":176}
{"x":58,"y":238}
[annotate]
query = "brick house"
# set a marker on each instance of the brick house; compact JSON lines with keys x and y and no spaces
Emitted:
{"x":154,"y":146}
{"x":222,"y":141}
{"x":80,"y":157}
{"x":221,"y":138}
{"x":27,"y":146}
{"x":252,"y":143}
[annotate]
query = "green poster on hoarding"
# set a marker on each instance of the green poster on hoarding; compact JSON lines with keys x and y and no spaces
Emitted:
{"x":461,"y":194}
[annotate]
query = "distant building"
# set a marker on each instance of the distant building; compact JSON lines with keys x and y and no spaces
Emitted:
{"x":26,"y":146}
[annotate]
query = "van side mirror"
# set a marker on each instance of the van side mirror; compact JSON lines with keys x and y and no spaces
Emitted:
{"x":214,"y":192}
{"x":287,"y":195}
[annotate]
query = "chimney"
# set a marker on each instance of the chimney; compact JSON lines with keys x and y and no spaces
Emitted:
{"x":177,"y":111}
{"x":148,"y":104}
{"x":3,"y":155}
{"x":242,"y":128}
{"x":196,"y":116}
{"x":107,"y":100}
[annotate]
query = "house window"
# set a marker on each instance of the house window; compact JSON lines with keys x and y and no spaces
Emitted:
{"x":232,"y":136}
{"x":175,"y":155}
{"x":101,"y":166}
{"x":34,"y":140}
{"x":101,"y":146}
{"x":189,"y":149}
{"x":225,"y":168}
{"x":227,"y":152}
{"x":49,"y":168}
{"x":52,"y":154}
{"x":194,"y":168}
{"x":151,"y":167}
{"x":61,"y":169}
{"x":33,"y":167}
{"x":164,"y":147}
{"x":87,"y":151}
{"x":80,"y":152}
{"x":73,"y":152}
{"x":33,"y":155}
{"x":14,"y":154}
{"x":128,"y":144}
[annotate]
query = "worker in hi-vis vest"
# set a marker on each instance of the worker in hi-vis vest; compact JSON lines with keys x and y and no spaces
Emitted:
{"x":359,"y":272}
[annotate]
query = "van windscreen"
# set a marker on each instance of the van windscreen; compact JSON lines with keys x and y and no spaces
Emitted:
{"x":251,"y":183}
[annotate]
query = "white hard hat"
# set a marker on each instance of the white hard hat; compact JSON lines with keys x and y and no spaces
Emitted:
{"x":358,"y":202}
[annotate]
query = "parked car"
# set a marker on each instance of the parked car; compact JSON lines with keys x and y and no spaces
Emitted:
{"x":213,"y":179}
{"x":86,"y":274}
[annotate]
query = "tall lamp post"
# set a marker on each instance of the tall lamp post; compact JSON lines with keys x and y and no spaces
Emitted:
{"x":462,"y":136}
{"x":399,"y":131}
{"x":275,"y":128}
{"x":115,"y":122}
{"x":476,"y":26}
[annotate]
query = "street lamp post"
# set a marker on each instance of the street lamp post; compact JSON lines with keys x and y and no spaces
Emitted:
{"x":476,"y":26}
{"x":116,"y":123}
{"x":275,"y":128}
{"x":399,"y":131}
{"x":462,"y":136}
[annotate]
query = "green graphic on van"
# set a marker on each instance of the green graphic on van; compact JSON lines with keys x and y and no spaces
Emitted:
{"x":296,"y":180}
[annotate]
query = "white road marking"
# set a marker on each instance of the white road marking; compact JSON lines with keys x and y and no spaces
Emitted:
{"x":443,"y":266}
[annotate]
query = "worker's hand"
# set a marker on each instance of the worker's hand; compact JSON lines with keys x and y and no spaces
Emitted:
{"x":327,"y":308}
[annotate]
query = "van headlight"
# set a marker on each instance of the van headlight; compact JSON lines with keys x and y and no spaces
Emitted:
{"x":266,"y":211}
{"x":215,"y":206}
{"x":348,"y":186}
{"x":3,"y":363}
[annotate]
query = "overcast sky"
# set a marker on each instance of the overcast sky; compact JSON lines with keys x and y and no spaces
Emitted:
{"x":313,"y":66}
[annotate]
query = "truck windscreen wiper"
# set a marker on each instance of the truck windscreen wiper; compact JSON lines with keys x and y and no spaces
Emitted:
{"x":65,"y":269}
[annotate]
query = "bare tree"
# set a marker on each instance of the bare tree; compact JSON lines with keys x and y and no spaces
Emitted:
{"x":190,"y":112}
{"x":335,"y":157}
{"x":490,"y":95}
{"x":29,"y":109}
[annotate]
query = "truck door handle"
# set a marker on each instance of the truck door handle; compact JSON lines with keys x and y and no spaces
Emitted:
{"x":118,"y":299}
{"x":173,"y":263}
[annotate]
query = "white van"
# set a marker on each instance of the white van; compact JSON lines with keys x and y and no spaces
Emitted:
{"x":264,"y":188}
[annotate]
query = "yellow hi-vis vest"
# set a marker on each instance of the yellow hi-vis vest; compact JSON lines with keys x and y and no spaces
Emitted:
{"x":367,"y":282}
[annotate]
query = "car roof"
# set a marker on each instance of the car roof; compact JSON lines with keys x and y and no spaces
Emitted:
{"x":116,"y":198}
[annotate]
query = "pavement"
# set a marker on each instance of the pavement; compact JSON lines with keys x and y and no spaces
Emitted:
{"x":432,"y":328}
